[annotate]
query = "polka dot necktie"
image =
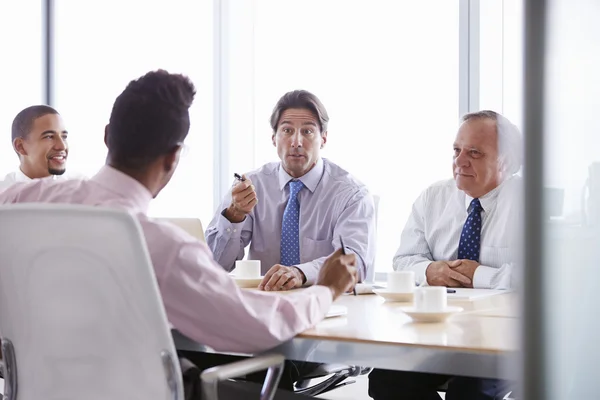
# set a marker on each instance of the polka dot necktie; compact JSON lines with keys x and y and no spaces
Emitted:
{"x":290,"y":230}
{"x":470,"y":238}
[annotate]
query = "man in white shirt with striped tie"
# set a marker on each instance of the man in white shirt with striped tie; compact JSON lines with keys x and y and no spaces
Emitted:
{"x":463,"y":232}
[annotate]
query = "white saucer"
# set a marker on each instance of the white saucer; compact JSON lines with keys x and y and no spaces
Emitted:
{"x":394,"y":296}
{"x":431,"y":316}
{"x":247,"y":282}
{"x":336,"y":311}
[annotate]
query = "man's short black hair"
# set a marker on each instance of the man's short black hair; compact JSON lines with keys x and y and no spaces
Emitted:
{"x":23,"y":122}
{"x":150,"y":118}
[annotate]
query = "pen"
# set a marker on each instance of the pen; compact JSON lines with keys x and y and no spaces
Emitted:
{"x":450,"y":291}
{"x":344,"y":253}
{"x":238,"y":177}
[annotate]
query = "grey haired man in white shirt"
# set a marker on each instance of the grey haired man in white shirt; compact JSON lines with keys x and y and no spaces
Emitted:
{"x":487,"y":156}
{"x":463,"y":232}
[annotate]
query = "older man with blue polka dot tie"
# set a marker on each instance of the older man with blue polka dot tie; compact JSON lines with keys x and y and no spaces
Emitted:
{"x":463,"y":232}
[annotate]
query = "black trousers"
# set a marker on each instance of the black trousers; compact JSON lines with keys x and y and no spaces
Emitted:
{"x":387,"y":385}
{"x":292,"y":371}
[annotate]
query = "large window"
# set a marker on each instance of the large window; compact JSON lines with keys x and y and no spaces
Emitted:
{"x":21,"y":69}
{"x":101,"y":46}
{"x":501,"y":58}
{"x":387,"y":72}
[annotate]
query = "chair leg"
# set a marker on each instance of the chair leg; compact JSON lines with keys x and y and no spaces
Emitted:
{"x":328,"y":384}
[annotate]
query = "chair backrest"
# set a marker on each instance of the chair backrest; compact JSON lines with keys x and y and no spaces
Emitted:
{"x":193,"y":226}
{"x":80,"y":308}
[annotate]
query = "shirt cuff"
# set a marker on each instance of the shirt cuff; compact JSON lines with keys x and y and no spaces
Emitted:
{"x":229,"y":229}
{"x":310,"y":270}
{"x":483,"y":276}
{"x":420,"y":272}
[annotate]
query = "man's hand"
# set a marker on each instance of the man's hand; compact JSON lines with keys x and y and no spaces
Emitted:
{"x":338,"y":273}
{"x":280,"y":277}
{"x":243,"y":200}
{"x":439,"y":273}
{"x":466,"y":268}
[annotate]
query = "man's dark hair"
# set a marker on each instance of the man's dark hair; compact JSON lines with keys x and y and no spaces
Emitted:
{"x":23,"y":122}
{"x":150,"y":118}
{"x":300,"y":99}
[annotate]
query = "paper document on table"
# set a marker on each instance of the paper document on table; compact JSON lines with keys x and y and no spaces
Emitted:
{"x":336,"y":311}
{"x":470,"y":294}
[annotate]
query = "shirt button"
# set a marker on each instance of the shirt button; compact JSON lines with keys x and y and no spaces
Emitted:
{"x":228,"y":229}
{"x":235,"y":230}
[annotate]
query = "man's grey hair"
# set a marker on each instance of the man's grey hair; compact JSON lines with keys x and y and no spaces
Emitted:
{"x":510,"y":141}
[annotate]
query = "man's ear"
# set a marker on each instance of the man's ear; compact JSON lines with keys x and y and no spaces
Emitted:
{"x":273,"y":139}
{"x":171,"y":159}
{"x":18,"y":145}
{"x":323,"y":139}
{"x":106,"y":135}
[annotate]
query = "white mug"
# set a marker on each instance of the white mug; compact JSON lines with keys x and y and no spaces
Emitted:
{"x":401,"y":281}
{"x":431,"y":298}
{"x":247,"y":269}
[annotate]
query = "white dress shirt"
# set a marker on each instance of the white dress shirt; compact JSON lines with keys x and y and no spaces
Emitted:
{"x":19,"y":176}
{"x":433,"y":231}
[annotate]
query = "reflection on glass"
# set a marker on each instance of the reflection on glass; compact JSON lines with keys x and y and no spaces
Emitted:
{"x":572,"y":207}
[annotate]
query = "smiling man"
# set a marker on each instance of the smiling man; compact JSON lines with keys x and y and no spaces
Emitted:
{"x":39,"y":138}
{"x":293,"y":212}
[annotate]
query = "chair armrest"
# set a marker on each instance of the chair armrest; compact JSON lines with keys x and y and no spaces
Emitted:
{"x":273,"y":362}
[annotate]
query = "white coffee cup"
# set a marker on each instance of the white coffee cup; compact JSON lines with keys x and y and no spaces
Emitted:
{"x":401,"y":282}
{"x":431,"y":298}
{"x":247,"y":269}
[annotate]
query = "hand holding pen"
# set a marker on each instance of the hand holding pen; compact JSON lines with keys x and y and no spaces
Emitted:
{"x":338,"y":273}
{"x":243,"y":199}
{"x":344,"y":252}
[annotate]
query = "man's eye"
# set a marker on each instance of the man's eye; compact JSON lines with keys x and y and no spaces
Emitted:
{"x":308,"y":131}
{"x":287,"y":130}
{"x":456,"y":152}
{"x":475,"y":153}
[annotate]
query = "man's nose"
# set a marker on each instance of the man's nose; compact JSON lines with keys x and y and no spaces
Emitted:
{"x":60,"y":143}
{"x":461,"y":160}
{"x":297,"y":140}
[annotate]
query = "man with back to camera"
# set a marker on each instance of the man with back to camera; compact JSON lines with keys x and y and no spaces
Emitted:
{"x":463,"y":232}
{"x":148,"y":125}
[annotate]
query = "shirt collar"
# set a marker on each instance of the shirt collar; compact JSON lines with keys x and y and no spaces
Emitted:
{"x":310,"y":179}
{"x":125,"y":186}
{"x":21,"y":177}
{"x":487,"y":200}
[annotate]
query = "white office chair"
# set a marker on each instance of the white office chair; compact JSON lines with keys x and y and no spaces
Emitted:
{"x":81,"y":316}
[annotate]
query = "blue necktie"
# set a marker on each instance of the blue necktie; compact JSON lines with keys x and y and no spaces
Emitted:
{"x":290,"y":230}
{"x":470,"y":239}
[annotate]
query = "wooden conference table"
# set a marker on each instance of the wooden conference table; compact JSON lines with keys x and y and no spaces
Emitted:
{"x":482,"y":341}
